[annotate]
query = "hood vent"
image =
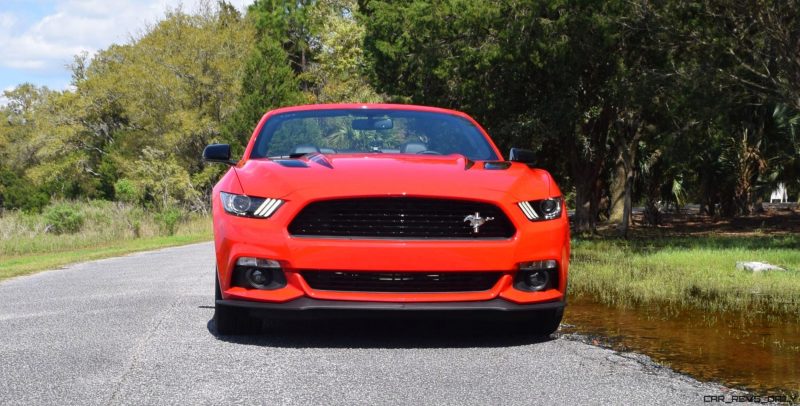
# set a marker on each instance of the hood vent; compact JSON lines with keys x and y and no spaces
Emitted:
{"x":292,"y":163}
{"x":497,"y":165}
{"x":320,"y":159}
{"x":303,"y":163}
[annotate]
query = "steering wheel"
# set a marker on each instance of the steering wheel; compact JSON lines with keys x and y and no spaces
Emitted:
{"x":429,"y":152}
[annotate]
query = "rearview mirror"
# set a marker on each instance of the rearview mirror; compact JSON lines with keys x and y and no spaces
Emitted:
{"x":525,"y":156}
{"x":218,"y":153}
{"x":371,"y":124}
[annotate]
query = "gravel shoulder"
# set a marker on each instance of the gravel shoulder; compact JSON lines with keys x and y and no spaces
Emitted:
{"x":137,"y":330}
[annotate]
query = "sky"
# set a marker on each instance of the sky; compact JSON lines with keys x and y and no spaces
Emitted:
{"x":38,"y":38}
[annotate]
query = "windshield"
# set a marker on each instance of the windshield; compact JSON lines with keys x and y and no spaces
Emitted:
{"x":370,"y":131}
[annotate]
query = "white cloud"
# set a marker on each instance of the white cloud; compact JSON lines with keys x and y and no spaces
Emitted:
{"x":3,"y":98}
{"x":7,"y":21}
{"x":76,"y":26}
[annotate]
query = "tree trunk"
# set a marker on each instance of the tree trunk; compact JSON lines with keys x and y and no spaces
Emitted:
{"x":627,"y":143}
{"x":626,"y":212}
{"x":617,"y":191}
{"x":711,"y":206}
{"x":587,"y":166}
{"x":584,"y":217}
{"x":758,"y":206}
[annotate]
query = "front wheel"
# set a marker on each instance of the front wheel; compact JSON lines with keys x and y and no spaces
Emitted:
{"x":229,"y":320}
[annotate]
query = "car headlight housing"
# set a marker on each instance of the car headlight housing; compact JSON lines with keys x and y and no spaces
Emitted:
{"x":539,"y":210}
{"x":249,"y":206}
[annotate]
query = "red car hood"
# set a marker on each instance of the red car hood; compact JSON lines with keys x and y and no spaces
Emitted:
{"x":390,"y":174}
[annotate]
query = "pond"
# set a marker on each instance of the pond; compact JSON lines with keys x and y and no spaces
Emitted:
{"x":758,"y":353}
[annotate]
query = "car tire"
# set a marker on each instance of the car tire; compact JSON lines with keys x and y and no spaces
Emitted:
{"x":544,"y":323}
{"x":229,"y":320}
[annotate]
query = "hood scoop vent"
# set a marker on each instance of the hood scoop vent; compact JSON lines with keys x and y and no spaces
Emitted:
{"x":320,"y":159}
{"x":292,"y":163}
{"x":497,"y":165}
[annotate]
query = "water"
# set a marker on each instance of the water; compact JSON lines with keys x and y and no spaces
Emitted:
{"x":757,"y":353}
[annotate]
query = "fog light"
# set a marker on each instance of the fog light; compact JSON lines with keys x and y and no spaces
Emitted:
{"x":258,"y":273}
{"x":258,"y":278}
{"x":536,"y":276}
{"x":537,"y":280}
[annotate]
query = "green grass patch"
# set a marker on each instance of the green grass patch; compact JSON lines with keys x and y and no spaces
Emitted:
{"x":698,"y":272}
{"x":26,"y":264}
{"x":29,"y":243}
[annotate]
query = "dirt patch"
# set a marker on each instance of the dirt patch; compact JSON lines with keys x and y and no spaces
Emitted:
{"x":775,"y":220}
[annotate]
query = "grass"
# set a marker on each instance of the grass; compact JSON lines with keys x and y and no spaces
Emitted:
{"x":109,"y":229}
{"x":690,"y":271}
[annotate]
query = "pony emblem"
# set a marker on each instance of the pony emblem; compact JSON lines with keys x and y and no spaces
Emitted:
{"x":476,"y":221}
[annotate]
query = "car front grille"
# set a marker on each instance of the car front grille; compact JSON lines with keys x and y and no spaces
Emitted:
{"x":400,"y":218}
{"x":355,"y":281}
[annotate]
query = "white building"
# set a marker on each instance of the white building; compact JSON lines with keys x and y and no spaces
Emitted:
{"x":779,"y":195}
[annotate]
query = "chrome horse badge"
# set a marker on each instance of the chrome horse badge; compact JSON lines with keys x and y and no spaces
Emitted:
{"x":476,"y":221}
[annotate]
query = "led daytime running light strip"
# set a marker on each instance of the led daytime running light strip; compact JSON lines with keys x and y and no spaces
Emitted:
{"x":268,"y":207}
{"x":530,"y":213}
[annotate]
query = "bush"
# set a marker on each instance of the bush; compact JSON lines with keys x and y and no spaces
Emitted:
{"x":168,"y":220}
{"x":134,"y":218}
{"x":17,"y":193}
{"x":63,"y":219}
{"x":126,"y":191}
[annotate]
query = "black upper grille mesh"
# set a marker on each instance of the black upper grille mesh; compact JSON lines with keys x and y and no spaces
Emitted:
{"x":401,"y":281}
{"x":400,"y":218}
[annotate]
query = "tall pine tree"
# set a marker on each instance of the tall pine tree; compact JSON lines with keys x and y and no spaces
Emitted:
{"x":273,"y":73}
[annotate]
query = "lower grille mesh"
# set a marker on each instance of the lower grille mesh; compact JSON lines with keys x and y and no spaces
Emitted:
{"x":350,"y":281}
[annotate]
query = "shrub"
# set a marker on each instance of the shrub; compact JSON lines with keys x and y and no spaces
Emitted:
{"x":63,"y":219}
{"x":136,"y":228}
{"x":126,"y":191}
{"x":17,"y":193}
{"x":134,"y":217}
{"x":168,"y":220}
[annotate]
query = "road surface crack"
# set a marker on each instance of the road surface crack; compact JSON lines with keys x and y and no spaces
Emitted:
{"x":140,"y":350}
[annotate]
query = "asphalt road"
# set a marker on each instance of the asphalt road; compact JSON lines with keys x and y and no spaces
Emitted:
{"x":137,"y":330}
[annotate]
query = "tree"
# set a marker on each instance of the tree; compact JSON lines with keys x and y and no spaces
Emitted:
{"x":740,"y":57}
{"x":268,"y":83}
{"x":171,"y":88}
{"x":24,"y":119}
{"x":273,"y":69}
{"x":339,"y":71}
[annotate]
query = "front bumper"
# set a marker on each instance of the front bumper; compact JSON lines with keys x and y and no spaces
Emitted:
{"x":237,"y":237}
{"x":311,"y":308}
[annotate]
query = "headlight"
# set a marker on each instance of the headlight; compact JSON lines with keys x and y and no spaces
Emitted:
{"x":538,"y":210}
{"x":248,"y":206}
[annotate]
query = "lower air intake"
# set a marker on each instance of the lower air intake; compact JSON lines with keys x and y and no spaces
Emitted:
{"x":350,"y":281}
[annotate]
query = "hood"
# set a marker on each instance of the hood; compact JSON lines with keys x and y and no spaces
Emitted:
{"x":338,"y":175}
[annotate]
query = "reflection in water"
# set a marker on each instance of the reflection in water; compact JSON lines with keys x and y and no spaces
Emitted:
{"x":757,"y":353}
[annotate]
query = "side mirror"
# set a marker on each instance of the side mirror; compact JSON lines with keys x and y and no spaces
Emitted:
{"x":525,"y":156}
{"x":218,"y":153}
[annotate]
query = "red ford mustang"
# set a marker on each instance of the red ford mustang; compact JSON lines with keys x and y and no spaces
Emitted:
{"x":350,"y":208}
